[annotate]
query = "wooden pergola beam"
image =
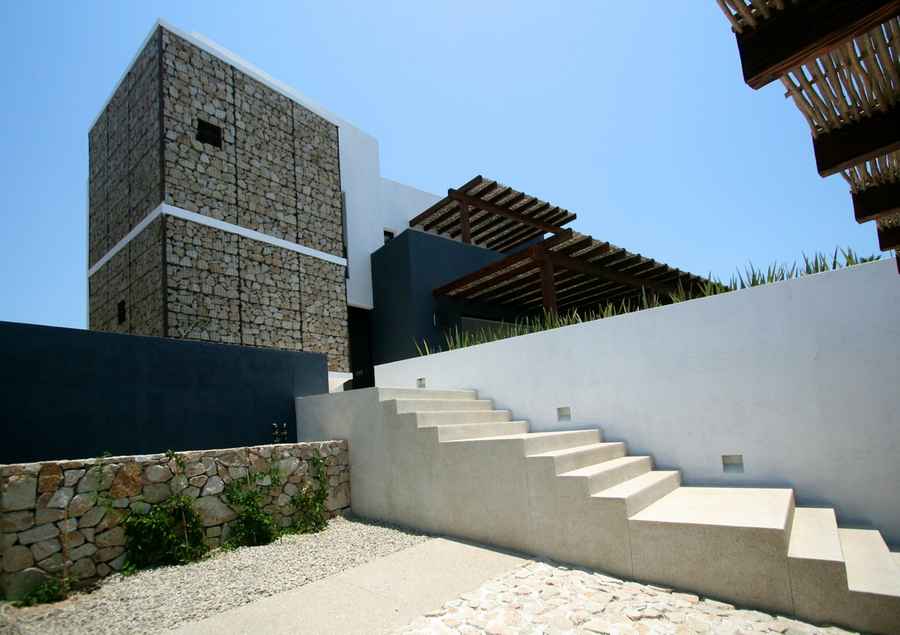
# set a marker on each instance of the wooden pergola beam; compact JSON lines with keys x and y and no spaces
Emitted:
{"x":586,"y":290}
{"x":875,"y":202}
{"x":516,"y":283}
{"x":450,"y":288}
{"x":453,"y":207}
{"x":857,"y":142}
{"x":607,"y":273}
{"x":514,"y":279}
{"x":500,"y":265}
{"x":571,"y":282}
{"x":803,"y":29}
{"x":482,"y":221}
{"x":514,"y":234}
{"x":477,"y":203}
{"x":423,"y":216}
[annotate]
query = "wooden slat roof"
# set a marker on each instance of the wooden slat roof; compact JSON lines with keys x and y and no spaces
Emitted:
{"x":745,"y":14}
{"x":500,"y":217}
{"x":839,"y":61}
{"x":586,"y":273}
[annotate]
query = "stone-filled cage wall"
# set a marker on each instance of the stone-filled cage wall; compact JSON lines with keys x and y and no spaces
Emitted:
{"x":187,"y":129}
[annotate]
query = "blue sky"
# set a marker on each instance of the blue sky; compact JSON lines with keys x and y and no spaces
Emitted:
{"x":638,"y":122}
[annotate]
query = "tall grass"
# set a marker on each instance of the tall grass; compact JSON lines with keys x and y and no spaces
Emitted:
{"x":750,"y":276}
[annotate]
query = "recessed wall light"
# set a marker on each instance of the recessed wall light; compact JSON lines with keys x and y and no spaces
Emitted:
{"x":733,"y":463}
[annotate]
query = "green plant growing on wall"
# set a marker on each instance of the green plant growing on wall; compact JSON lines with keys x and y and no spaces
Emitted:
{"x":309,"y":501}
{"x":253,"y":525}
{"x":169,"y":533}
{"x":51,"y":590}
{"x":179,"y":460}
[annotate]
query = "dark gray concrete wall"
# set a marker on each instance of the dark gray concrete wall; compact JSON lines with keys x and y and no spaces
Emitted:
{"x":68,"y":393}
{"x":404,"y":273}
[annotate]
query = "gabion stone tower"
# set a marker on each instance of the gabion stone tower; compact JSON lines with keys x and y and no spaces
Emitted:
{"x":215,"y":208}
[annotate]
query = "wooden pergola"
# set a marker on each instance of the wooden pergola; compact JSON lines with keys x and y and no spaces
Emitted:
{"x":492,"y":215}
{"x":840,"y":63}
{"x":568,"y":271}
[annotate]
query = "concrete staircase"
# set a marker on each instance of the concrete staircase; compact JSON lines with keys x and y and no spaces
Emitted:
{"x":459,"y":467}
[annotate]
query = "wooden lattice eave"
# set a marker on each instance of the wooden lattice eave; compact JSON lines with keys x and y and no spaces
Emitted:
{"x":839,"y":61}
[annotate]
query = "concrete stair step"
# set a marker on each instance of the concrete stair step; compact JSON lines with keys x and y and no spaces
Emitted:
{"x":430,"y":405}
{"x":604,"y":475}
{"x":870,"y":566}
{"x":569,"y":459}
{"x":723,"y":506}
{"x":537,"y":442}
{"x":385,"y":394}
{"x":814,"y":535}
{"x":452,"y":417}
{"x":711,"y":539}
{"x":455,"y":432}
{"x":637,"y":493}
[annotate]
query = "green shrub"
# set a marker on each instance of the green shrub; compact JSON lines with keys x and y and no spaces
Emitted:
{"x":51,"y":590}
{"x":309,"y":501}
{"x":253,"y":525}
{"x":170,"y":533}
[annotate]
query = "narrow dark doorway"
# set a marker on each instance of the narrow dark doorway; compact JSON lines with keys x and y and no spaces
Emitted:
{"x":360,"y":327}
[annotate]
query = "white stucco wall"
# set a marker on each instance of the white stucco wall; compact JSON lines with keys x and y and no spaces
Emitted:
{"x":391,"y":208}
{"x":801,"y":377}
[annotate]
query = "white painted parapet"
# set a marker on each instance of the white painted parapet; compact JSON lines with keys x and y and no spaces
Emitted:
{"x":801,"y":379}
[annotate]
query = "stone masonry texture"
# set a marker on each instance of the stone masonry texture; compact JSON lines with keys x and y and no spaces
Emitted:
{"x":61,"y":514}
{"x":277,"y":172}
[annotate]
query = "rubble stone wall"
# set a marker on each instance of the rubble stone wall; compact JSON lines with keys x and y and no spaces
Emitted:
{"x":67,"y":514}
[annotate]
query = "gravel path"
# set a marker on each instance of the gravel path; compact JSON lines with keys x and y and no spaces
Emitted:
{"x":156,"y":600}
{"x":541,"y":598}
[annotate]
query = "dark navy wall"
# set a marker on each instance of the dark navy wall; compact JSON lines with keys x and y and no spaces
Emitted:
{"x":404,"y":273}
{"x":67,"y":393}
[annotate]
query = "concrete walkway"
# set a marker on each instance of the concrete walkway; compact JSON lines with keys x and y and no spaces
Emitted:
{"x":378,"y":596}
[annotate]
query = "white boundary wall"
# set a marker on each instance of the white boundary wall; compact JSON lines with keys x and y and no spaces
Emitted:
{"x":800,"y":377}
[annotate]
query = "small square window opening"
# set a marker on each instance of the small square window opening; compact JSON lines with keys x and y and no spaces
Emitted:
{"x":209,"y":133}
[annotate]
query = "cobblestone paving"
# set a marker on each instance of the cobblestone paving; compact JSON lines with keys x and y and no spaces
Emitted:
{"x":543,"y":598}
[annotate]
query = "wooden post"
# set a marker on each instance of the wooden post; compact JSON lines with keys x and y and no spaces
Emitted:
{"x":547,"y":285}
{"x":464,"y":222}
